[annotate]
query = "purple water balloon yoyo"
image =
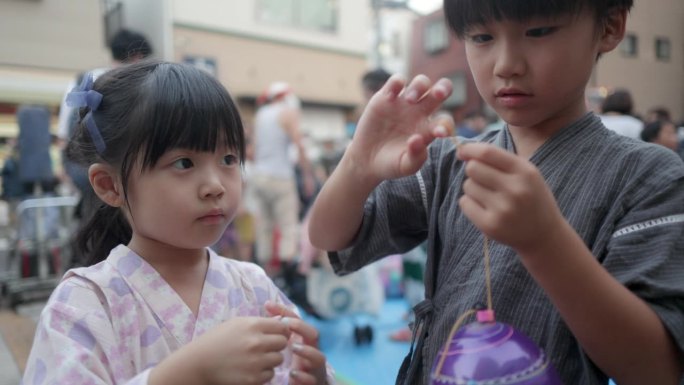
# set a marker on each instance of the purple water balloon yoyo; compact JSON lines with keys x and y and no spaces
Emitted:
{"x":487,"y":352}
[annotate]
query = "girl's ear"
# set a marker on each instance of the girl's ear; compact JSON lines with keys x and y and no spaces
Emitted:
{"x":613,"y":30}
{"x":106,"y":184}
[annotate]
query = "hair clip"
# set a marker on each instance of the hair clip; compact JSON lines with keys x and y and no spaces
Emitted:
{"x":84,"y":96}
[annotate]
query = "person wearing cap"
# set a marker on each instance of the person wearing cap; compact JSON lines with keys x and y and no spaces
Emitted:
{"x":274,"y":184}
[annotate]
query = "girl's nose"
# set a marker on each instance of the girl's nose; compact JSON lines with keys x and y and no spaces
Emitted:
{"x":212,"y":186}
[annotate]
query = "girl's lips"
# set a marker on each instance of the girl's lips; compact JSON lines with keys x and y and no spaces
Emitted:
{"x":213,"y":216}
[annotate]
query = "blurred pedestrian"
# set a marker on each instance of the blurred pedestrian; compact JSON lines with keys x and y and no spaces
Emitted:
{"x":662,"y":132}
{"x":616,"y":114}
{"x":273,"y":181}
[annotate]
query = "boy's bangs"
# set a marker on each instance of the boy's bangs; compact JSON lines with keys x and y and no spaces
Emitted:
{"x":464,"y":14}
{"x":192,"y":111}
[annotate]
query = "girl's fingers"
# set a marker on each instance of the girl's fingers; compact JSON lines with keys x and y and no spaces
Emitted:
{"x":266,"y":375}
{"x":272,"y":359}
{"x":273,"y":343}
{"x":301,"y":377}
{"x":311,"y":357}
{"x":308,"y":333}
{"x":276,"y":309}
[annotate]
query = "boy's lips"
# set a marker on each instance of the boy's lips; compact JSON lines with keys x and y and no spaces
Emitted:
{"x":510,"y":91}
{"x":512,"y":97}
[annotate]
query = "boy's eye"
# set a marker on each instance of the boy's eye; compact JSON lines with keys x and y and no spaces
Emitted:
{"x":480,"y":38}
{"x":539,"y":32}
{"x":230,"y":160}
{"x":183,"y":163}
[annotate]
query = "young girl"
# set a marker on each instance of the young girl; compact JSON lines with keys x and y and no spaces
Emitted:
{"x":164,"y":144}
{"x":584,"y":226}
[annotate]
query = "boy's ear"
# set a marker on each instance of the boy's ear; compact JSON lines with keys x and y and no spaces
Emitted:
{"x":613,"y":30}
{"x":106,"y":184}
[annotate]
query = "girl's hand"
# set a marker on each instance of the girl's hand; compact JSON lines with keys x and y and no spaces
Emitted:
{"x":394,"y":131}
{"x":309,"y":366}
{"x":242,"y":350}
{"x":506,"y":197}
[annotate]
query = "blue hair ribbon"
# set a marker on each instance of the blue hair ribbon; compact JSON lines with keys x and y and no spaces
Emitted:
{"x":84,"y":96}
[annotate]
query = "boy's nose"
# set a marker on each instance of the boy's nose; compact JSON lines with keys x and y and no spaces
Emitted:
{"x":510,"y":61}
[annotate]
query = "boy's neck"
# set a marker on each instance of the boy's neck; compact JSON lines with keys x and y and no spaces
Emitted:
{"x":528,"y":139}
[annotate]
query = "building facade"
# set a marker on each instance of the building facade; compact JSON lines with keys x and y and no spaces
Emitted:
{"x":319,"y":47}
{"x":649,"y":62}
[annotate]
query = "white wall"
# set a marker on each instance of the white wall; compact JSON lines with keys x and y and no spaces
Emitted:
{"x":153,"y":19}
{"x":239,"y":17}
{"x":56,"y":34}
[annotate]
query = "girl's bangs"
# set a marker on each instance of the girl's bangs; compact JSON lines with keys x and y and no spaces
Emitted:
{"x":192,"y":111}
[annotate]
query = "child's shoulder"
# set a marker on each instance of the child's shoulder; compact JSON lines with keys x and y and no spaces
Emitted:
{"x":240,"y":270}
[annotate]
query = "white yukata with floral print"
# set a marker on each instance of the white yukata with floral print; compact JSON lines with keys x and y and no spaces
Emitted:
{"x":112,"y":322}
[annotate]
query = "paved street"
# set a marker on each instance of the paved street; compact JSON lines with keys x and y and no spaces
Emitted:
{"x":16,"y":337}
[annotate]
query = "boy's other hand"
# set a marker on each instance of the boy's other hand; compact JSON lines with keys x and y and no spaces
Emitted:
{"x":395,"y":129}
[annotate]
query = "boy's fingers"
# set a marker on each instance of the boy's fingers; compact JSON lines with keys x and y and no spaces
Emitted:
{"x":489,"y":154}
{"x":484,"y":174}
{"x":417,"y":89}
{"x":394,"y":85}
{"x":437,"y":94}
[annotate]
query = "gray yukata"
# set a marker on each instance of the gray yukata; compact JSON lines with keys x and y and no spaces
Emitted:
{"x":624,"y":197}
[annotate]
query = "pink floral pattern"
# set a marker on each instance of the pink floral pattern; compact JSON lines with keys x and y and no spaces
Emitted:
{"x":112,"y":322}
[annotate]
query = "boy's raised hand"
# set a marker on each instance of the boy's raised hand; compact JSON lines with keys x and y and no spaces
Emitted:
{"x":506,"y":197}
{"x":309,"y":366}
{"x":394,"y":131}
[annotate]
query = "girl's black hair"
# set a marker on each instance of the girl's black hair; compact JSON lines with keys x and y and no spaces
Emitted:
{"x":148,"y":108}
{"x":463,"y":14}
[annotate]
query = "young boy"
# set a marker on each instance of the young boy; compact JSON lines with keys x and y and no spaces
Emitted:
{"x":584,"y":227}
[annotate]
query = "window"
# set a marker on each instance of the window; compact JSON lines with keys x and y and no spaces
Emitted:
{"x":435,"y":38}
{"x":320,"y":15}
{"x":630,"y":45}
{"x":663,"y":50}
{"x":458,"y":95}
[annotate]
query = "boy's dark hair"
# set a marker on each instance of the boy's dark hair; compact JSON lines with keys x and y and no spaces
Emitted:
{"x":375,"y":79}
{"x":127,"y":45}
{"x":148,"y":108}
{"x":618,"y":101}
{"x":652,"y":130}
{"x":463,"y":14}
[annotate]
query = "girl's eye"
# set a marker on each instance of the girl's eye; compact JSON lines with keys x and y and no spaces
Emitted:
{"x":182,"y":163}
{"x":230,"y":160}
{"x":539,"y":32}
{"x":480,"y":38}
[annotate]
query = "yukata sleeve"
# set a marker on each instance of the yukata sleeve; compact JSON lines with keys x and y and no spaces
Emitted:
{"x":74,"y":342}
{"x":646,"y":252}
{"x":394,"y":222}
